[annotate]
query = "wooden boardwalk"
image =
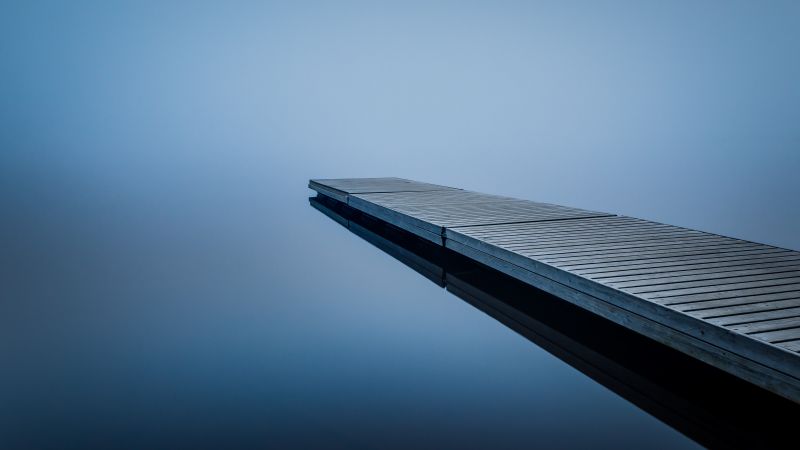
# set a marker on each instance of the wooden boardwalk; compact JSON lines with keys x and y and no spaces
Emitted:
{"x":679,"y":390}
{"x":730,"y":303}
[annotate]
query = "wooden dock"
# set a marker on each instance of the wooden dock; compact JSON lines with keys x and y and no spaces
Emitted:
{"x":683,"y":392}
{"x":731,"y":303}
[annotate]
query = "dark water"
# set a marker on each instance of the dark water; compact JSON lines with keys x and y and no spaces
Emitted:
{"x":267,"y":324}
{"x":159,"y":322}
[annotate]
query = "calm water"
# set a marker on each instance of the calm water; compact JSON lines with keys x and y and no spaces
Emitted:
{"x":164,"y":282}
{"x":266,"y":323}
{"x":156,"y":321}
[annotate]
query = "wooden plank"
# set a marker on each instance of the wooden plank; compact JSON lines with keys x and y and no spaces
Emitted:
{"x":701,"y":294}
{"x":492,"y":213}
{"x":364,"y":185}
{"x":738,"y":319}
{"x":586,"y":224}
{"x":436,"y":219}
{"x":595,"y":225}
{"x":680,"y":260}
{"x":633,"y":257}
{"x":430,"y":198}
{"x":780,"y":323}
{"x":675,"y":289}
{"x":572,"y":253}
{"x":702,"y":274}
{"x":628,"y":235}
{"x":730,"y":311}
{"x":792,"y":346}
{"x":703,"y":281}
{"x":767,"y":261}
{"x":710,"y":277}
{"x":734,"y":301}
{"x":340,"y":189}
{"x":586,"y":227}
{"x":330,"y":192}
{"x":788,"y":334}
{"x":626,"y":243}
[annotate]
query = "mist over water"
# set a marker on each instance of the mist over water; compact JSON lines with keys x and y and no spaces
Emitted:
{"x":163,"y":280}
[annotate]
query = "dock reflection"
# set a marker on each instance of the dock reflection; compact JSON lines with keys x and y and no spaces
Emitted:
{"x":710,"y":406}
